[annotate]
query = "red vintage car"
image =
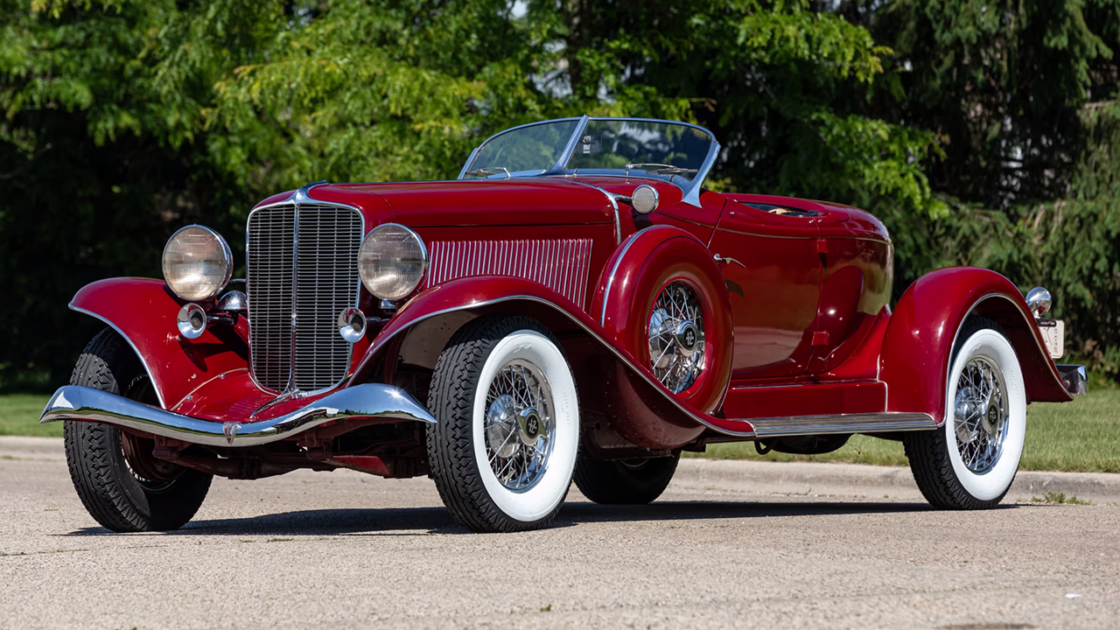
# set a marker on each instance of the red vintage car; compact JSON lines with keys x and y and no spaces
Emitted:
{"x":576,"y":305}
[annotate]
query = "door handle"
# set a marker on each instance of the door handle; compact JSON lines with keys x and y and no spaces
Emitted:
{"x":724,"y":259}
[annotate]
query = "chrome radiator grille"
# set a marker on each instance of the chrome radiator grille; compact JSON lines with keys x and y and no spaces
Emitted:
{"x":302,"y":271}
{"x":559,"y":264}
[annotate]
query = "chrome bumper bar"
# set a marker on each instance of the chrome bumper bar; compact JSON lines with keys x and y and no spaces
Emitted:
{"x":1074,"y":378}
{"x":371,"y":400}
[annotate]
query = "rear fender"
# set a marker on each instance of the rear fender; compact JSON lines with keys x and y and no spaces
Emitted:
{"x":918,"y":346}
{"x":421,"y":329}
{"x":144,"y":312}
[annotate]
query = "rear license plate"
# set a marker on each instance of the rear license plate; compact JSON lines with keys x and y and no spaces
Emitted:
{"x":1054,"y":334}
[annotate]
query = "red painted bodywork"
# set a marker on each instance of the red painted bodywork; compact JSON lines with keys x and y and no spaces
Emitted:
{"x":798,"y":323}
{"x":145,"y":312}
{"x":919,"y":341}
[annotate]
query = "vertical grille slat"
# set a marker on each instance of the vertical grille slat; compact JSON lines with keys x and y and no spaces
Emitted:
{"x":560,"y":264}
{"x":302,"y":273}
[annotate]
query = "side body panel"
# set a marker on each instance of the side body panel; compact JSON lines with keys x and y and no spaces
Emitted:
{"x":774,"y":285}
{"x":856,"y":287}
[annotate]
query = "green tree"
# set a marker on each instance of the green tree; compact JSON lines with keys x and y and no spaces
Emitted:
{"x":125,"y":119}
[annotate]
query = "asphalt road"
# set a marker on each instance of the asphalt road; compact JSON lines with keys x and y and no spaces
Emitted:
{"x":346,"y":550}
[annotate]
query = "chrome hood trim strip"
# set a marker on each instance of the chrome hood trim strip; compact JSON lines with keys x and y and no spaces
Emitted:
{"x":371,"y":400}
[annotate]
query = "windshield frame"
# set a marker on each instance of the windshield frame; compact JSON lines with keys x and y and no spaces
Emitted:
{"x":689,"y":189}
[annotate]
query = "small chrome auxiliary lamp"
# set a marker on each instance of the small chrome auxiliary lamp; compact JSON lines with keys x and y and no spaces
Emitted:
{"x":1074,"y":377}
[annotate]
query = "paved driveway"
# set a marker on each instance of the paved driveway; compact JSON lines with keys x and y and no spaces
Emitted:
{"x":346,"y":550}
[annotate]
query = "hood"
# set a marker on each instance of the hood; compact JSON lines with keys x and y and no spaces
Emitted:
{"x":536,"y":201}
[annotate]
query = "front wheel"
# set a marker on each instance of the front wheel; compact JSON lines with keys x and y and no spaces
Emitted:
{"x":504,"y":445}
{"x":970,"y":462}
{"x":121,"y":485}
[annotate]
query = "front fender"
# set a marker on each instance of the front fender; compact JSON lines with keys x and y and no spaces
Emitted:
{"x":143,"y":311}
{"x":488,"y":294}
{"x":476,"y":295}
{"x":918,"y":346}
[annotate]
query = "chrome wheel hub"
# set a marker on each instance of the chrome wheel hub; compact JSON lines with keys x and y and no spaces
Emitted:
{"x":519,"y":425}
{"x":676,"y":337}
{"x":981,"y":415}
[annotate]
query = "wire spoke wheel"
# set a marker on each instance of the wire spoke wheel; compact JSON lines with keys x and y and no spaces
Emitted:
{"x":981,"y":415}
{"x":676,"y":337}
{"x":519,"y":425}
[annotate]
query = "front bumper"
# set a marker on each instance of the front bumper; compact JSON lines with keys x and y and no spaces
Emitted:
{"x":1074,"y":377}
{"x":371,"y":400}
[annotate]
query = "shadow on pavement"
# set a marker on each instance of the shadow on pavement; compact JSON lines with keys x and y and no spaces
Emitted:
{"x":436,"y":520}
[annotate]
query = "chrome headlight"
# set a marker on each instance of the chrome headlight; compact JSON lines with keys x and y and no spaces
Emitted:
{"x":392,"y":261}
{"x":197,"y":263}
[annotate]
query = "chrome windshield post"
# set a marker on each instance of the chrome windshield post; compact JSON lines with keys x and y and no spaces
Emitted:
{"x":570,"y":148}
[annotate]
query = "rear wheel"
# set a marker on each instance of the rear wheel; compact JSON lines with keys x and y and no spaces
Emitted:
{"x":504,"y":445}
{"x":121,"y":485}
{"x":627,"y":481}
{"x":970,"y":462}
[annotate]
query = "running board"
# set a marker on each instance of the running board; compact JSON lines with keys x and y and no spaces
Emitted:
{"x":839,"y":424}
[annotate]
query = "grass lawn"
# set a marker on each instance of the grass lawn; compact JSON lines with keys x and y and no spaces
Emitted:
{"x":19,"y":415}
{"x":1083,"y":435}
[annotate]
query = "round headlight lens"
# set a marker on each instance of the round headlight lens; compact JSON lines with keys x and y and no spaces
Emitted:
{"x":197,"y":263}
{"x":392,"y":261}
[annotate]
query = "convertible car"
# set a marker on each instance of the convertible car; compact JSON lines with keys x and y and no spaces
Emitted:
{"x":576,"y":305}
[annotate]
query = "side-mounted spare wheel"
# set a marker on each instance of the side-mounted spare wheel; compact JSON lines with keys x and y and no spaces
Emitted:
{"x":970,"y":461}
{"x":121,"y":485}
{"x":504,"y":445}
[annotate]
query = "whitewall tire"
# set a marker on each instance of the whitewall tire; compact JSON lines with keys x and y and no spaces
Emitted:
{"x":971,"y":460}
{"x":504,"y":446}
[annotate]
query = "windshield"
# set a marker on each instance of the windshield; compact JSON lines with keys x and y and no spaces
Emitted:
{"x":675,"y":152}
{"x":640,"y":146}
{"x":528,"y":150}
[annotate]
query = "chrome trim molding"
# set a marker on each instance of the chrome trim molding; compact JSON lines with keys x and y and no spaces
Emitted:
{"x":370,"y":400}
{"x":610,"y":279}
{"x":470,"y":159}
{"x":1074,"y":377}
{"x":143,"y":360}
{"x":840,"y":424}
